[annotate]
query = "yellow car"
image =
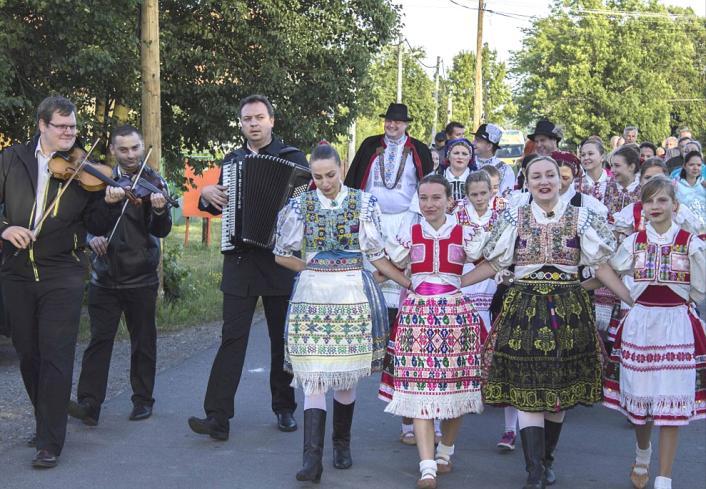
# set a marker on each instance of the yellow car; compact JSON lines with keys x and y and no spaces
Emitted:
{"x":512,"y":144}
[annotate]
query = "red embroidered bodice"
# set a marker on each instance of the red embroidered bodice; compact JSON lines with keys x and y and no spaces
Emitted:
{"x":437,"y":255}
{"x":663,"y":264}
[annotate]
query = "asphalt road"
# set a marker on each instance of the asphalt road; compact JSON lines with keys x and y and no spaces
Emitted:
{"x":596,"y":448}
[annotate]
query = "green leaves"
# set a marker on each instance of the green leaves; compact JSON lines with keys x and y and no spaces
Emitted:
{"x":595,"y":73}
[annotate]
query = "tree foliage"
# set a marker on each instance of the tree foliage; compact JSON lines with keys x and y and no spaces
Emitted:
{"x":310,"y":57}
{"x":595,"y":73}
{"x":498,"y":106}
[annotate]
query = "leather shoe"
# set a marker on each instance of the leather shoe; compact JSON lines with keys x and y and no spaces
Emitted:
{"x":286,"y":421}
{"x":140,"y":411}
{"x":32,"y":442}
{"x":83,"y":411}
{"x":209,"y":426}
{"x":44,"y":459}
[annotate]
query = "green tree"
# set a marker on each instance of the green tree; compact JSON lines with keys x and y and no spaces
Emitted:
{"x":498,"y":106}
{"x":417,"y":94}
{"x":310,"y":57}
{"x":594,"y":73}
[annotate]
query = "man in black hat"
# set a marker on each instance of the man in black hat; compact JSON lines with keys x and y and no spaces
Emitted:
{"x":487,"y":142}
{"x":389,"y":166}
{"x":546,"y":137}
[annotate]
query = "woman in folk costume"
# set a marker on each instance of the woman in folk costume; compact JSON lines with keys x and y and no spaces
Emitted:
{"x":657,"y":373}
{"x":595,"y":177}
{"x":460,"y":156}
{"x":439,"y":336}
{"x":543,"y":353}
{"x":336,"y":326}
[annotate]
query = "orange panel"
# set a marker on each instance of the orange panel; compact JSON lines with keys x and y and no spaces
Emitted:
{"x":190,"y":208}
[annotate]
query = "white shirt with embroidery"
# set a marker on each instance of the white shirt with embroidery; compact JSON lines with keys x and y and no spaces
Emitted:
{"x":398,"y":198}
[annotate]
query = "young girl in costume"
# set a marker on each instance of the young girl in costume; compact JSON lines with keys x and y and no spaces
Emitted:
{"x":657,"y":374}
{"x":543,"y":353}
{"x":336,"y":327}
{"x":439,"y":336}
{"x":691,"y":186}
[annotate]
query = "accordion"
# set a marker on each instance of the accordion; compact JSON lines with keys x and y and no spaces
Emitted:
{"x":258,"y":187}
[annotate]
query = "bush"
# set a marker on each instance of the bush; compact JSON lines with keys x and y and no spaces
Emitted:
{"x":175,"y":276}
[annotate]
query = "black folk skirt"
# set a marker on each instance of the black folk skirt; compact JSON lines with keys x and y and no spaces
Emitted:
{"x":543,"y":353}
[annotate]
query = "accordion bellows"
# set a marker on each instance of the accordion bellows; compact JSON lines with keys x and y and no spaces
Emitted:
{"x":258,"y":187}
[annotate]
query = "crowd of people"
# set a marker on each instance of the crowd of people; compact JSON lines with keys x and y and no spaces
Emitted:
{"x":577,"y":278}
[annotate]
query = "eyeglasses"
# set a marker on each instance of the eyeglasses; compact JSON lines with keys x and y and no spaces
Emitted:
{"x":64,"y":127}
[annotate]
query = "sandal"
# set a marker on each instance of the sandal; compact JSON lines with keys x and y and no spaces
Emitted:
{"x":408,"y":438}
{"x":640,"y":479}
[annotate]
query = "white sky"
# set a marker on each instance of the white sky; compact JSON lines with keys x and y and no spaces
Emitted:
{"x":443,"y":29}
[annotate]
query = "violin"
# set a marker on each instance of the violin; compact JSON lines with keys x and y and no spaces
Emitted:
{"x":147,"y":184}
{"x":92,"y":177}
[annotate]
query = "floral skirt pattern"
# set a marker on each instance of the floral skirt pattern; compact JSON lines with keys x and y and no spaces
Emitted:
{"x":543,"y":353}
{"x":437,"y":361}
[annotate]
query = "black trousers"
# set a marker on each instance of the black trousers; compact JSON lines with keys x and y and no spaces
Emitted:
{"x":227,"y":367}
{"x":105,"y":307}
{"x":44,"y":318}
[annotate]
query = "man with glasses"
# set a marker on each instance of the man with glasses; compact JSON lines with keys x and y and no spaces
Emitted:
{"x":44,"y":266}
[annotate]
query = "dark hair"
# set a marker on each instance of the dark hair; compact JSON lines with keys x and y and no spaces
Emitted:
{"x":451,"y":126}
{"x":596,"y":142}
{"x":324,"y":151}
{"x":491,"y":171}
{"x":654,"y":161}
{"x":631,"y":156}
{"x":650,"y":145}
{"x":655,"y":185}
{"x":251,"y":99}
{"x":124,"y":130}
{"x":687,"y":157}
{"x":49,"y":105}
{"x":436,"y":178}
{"x":521,"y":177}
{"x":481,"y":176}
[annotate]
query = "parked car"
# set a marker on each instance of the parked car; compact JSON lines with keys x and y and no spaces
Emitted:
{"x":511,"y":146}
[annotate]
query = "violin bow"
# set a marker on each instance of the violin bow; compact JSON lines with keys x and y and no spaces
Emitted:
{"x":35,"y":229}
{"x":134,"y":184}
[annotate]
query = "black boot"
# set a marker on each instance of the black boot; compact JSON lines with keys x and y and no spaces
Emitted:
{"x":314,"y":428}
{"x":533,"y":448}
{"x":342,"y":420}
{"x":551,"y":439}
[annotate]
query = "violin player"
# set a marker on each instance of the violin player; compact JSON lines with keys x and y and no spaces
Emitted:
{"x":43,"y":229}
{"x":125,"y":280}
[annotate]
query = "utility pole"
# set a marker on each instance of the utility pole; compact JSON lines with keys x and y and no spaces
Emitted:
{"x":450,"y":108}
{"x":399,"y":71}
{"x":151,"y":92}
{"x":351,"y":147}
{"x":478,"y":96}
{"x":436,"y":98}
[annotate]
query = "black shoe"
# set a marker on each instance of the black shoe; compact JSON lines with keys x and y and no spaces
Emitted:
{"x":533,"y":448}
{"x":209,"y":426}
{"x":140,"y":412}
{"x":342,"y":420}
{"x":44,"y":459}
{"x":32,"y":442}
{"x":314,"y":429}
{"x":286,"y":421}
{"x":552,"y":431}
{"x":84,"y":411}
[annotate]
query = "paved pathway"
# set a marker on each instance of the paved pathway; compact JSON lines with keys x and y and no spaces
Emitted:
{"x":595,"y":451}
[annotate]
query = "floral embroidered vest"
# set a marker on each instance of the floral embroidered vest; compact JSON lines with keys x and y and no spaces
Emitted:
{"x":331,"y":229}
{"x":552,"y":244}
{"x":437,"y":255}
{"x":663,"y":264}
{"x":616,"y":199}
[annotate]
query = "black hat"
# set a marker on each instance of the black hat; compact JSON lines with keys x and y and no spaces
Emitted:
{"x":490,"y":133}
{"x":397,"y":112}
{"x":547,"y":128}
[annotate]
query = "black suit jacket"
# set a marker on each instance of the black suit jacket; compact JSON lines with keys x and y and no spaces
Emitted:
{"x":252,"y":271}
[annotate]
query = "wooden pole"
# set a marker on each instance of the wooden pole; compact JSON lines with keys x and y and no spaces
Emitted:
{"x":399,"y":71}
{"x":436,"y":99}
{"x":478,"y":96}
{"x":151,"y":92}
